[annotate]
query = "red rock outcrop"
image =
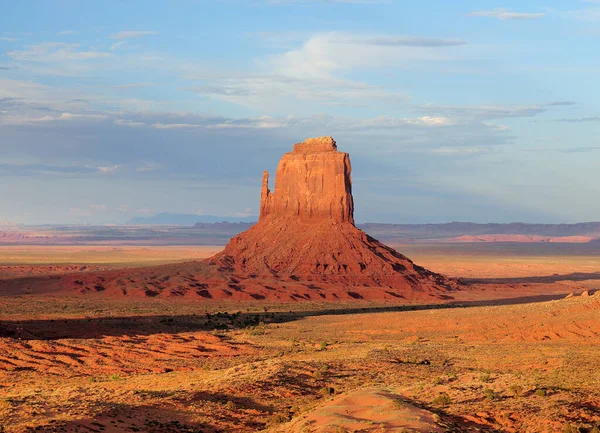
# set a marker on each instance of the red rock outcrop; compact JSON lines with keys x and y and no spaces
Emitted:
{"x":313,"y":182}
{"x":306,"y":230}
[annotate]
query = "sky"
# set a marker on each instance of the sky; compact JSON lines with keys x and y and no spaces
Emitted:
{"x":463,"y":110}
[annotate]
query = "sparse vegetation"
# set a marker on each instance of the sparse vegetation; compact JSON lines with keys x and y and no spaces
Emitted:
{"x":489,"y":394}
{"x":441,"y":400}
{"x":326,"y":391}
{"x":438,"y":380}
{"x":277,"y":418}
{"x":516,"y":390}
{"x":569,"y":428}
{"x":260,"y":329}
{"x":485,"y":377}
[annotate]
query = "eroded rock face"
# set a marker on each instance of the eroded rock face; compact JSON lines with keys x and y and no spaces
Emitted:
{"x":312,"y":182}
{"x":306,"y":233}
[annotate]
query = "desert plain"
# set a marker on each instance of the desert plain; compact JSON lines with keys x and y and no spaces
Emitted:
{"x":508,"y":352}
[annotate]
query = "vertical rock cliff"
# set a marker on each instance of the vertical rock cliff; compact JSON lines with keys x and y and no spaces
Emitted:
{"x":313,"y":182}
{"x":306,"y":231}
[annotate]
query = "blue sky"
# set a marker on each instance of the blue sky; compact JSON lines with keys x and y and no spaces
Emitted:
{"x":451,"y":110}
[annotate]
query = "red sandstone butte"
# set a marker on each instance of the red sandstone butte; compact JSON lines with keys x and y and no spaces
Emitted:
{"x":306,"y":230}
{"x":313,"y":182}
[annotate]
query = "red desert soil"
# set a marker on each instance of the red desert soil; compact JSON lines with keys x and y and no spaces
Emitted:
{"x":510,"y":368}
{"x":366,"y":410}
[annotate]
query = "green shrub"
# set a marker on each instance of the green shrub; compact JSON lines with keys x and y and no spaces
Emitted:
{"x":277,"y":418}
{"x":540,"y":392}
{"x":570,"y":429}
{"x":441,"y":400}
{"x":326,"y":391}
{"x":516,"y":390}
{"x":485,"y":377}
{"x":489,"y":394}
{"x":260,"y":329}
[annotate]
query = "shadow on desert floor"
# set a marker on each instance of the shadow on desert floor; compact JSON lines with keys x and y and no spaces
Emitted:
{"x":131,"y":326}
{"x":548,"y":279}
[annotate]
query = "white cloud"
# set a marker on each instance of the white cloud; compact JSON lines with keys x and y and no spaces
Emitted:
{"x":71,"y":116}
{"x":317,"y":70}
{"x":175,"y":125}
{"x":432,"y":121}
{"x":590,"y":14}
{"x":133,"y":85}
{"x":130,"y":34}
{"x":55,"y":52}
{"x":263,"y":122}
{"x":28,"y":119}
{"x":389,"y":122}
{"x":506,"y":14}
{"x":97,"y":207}
{"x":324,"y":54}
{"x":108,"y":169}
{"x":450,"y":151}
{"x":8,"y":39}
{"x":131,"y":123}
{"x":66,"y":32}
{"x":117,"y":45}
{"x":482,"y":112}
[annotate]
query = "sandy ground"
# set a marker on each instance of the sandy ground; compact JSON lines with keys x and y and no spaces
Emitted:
{"x":84,"y":363}
{"x":102,"y":255}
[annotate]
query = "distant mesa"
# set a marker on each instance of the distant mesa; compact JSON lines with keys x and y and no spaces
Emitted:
{"x":177,"y":219}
